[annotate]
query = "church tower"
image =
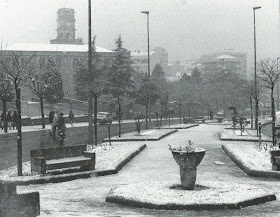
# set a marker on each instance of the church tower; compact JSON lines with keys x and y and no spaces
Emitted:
{"x":66,"y":28}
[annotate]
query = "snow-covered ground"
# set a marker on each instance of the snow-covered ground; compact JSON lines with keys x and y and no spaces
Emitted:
{"x":248,"y":135}
{"x":252,"y":155}
{"x":86,"y":197}
{"x":205,"y":192}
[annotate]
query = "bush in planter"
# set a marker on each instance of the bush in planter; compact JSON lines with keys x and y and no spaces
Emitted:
{"x":188,"y":158}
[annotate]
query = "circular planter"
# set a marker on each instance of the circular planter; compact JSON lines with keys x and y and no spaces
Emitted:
{"x":188,"y":161}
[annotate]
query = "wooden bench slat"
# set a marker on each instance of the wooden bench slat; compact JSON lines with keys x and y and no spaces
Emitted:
{"x":61,"y":165}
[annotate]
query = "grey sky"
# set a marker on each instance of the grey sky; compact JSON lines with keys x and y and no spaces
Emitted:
{"x":186,"y":28}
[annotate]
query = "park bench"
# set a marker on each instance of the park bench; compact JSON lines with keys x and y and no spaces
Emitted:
{"x":199,"y":119}
{"x":15,"y":205}
{"x":275,"y":159}
{"x":58,"y":158}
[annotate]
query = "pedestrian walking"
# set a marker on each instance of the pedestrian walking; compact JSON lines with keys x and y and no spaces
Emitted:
{"x":2,"y":120}
{"x":61,"y":128}
{"x":61,"y":123}
{"x":15,"y":117}
{"x":55,"y":123}
{"x":71,"y":117}
{"x":51,"y":114}
{"x":9,"y":120}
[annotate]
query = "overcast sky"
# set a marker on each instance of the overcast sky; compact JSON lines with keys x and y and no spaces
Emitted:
{"x":186,"y":28}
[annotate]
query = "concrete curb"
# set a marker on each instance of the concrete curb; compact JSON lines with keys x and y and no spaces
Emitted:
{"x":248,"y":170}
{"x":172,"y":206}
{"x":81,"y":175}
{"x":179,"y":128}
{"x":140,"y":139}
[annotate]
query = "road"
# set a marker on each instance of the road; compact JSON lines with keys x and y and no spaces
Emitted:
{"x":155,"y":163}
{"x":37,"y":138}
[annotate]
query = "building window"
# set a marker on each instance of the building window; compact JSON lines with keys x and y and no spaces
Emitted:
{"x":58,"y":62}
{"x":23,"y":61}
{"x":42,"y":63}
{"x":75,"y":61}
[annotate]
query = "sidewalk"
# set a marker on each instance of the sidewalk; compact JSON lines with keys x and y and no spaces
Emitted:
{"x":48,"y":127}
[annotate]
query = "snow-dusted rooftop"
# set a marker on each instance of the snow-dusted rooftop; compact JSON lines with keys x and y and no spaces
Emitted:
{"x":226,"y":57}
{"x":141,"y":53}
{"x":53,"y":47}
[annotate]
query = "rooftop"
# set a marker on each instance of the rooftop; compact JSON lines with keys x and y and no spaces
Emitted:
{"x":53,"y":48}
{"x":141,"y":53}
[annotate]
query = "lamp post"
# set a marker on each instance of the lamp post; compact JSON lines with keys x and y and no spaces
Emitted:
{"x":149,"y":75}
{"x":90,"y":128}
{"x":277,"y":86}
{"x":255,"y":68}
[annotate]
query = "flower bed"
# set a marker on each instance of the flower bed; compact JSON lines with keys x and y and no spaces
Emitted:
{"x":206,"y":195}
{"x":253,"y":157}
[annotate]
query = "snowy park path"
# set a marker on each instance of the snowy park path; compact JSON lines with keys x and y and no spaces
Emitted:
{"x":86,"y":197}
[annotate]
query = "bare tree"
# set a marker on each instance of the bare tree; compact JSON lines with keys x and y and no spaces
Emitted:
{"x":6,"y":95}
{"x":37,"y":84}
{"x":269,"y":75}
{"x":17,"y":67}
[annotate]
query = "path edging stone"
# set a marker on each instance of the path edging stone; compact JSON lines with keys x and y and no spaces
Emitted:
{"x":173,"y":206}
{"x":140,"y":139}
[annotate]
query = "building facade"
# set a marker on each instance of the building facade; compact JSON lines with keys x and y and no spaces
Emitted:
{"x":157,"y":56}
{"x":230,"y":60}
{"x":65,"y":50}
{"x":64,"y":55}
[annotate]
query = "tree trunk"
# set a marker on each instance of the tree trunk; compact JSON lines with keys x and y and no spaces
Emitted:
{"x":109,"y":133}
{"x":95,"y":120}
{"x":42,"y":112}
{"x":146,"y":114}
{"x":19,"y":134}
{"x":251,"y":108}
{"x":5,"y":116}
{"x":273,"y":118}
{"x":119,"y":118}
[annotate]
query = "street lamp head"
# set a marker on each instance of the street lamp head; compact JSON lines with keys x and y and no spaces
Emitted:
{"x":145,"y":12}
{"x":258,"y":7}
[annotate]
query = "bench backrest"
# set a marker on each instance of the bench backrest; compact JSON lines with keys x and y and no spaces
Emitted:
{"x":59,"y":152}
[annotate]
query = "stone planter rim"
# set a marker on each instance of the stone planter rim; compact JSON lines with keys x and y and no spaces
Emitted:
{"x":196,"y":150}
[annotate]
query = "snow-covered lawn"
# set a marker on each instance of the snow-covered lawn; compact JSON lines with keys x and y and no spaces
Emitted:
{"x":251,"y":155}
{"x":107,"y":158}
{"x":206,"y":192}
{"x":248,"y":135}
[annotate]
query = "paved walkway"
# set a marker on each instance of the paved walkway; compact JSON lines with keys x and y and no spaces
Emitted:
{"x":87,"y":197}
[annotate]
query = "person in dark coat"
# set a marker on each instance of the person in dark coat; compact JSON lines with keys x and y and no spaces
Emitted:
{"x":15,"y":117}
{"x":71,"y":117}
{"x":61,"y":123}
{"x":51,"y":117}
{"x":2,"y":120}
{"x":9,"y":120}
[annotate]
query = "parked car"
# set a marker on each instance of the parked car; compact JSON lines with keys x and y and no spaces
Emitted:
{"x":104,"y":118}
